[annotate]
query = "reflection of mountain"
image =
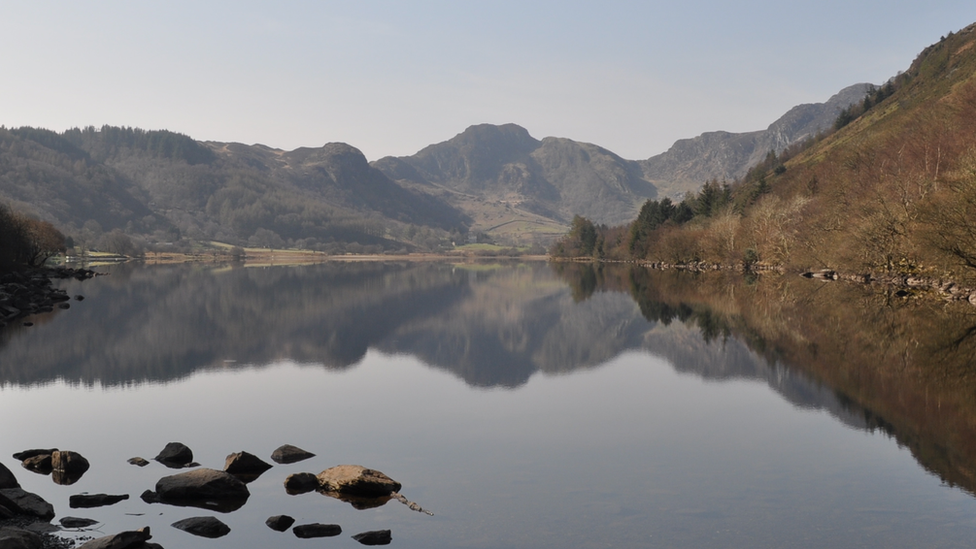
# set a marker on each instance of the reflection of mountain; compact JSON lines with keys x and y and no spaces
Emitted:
{"x":515,"y":323}
{"x":867,"y":359}
{"x":721,"y":360}
{"x":491,"y":327}
{"x":163,"y":323}
{"x":870,"y":358}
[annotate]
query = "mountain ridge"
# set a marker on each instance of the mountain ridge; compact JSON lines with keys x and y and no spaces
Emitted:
{"x":727,"y":156}
{"x":495,"y":182}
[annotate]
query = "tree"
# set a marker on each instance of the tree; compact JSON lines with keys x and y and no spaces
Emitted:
{"x":584,"y":232}
{"x":117,"y":242}
{"x":26,"y":240}
{"x":41,"y":241}
{"x":581,"y":241}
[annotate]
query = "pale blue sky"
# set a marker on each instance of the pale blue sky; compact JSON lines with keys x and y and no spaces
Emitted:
{"x":392,"y":77}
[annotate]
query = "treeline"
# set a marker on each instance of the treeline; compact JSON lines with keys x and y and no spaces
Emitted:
{"x":873,"y":98}
{"x":893,"y":194}
{"x":110,"y":140}
{"x":26,"y":241}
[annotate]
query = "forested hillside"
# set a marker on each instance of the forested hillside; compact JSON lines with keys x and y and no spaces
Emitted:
{"x":892,"y":190}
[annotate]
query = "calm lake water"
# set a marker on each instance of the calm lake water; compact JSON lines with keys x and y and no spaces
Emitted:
{"x":525,"y":405}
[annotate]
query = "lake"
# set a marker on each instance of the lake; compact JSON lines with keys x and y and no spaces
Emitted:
{"x":526,"y":405}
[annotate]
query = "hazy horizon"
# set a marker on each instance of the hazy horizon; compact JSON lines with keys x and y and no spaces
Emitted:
{"x":390,"y":78}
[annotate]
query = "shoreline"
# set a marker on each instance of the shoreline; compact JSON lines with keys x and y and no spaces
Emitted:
{"x":947,"y":289}
{"x":30,"y":291}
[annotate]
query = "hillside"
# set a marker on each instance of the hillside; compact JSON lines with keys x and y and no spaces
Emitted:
{"x":164,"y":187}
{"x":727,"y":156}
{"x":890,"y":193}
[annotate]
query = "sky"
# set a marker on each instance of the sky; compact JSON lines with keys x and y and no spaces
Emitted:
{"x":391,"y":77}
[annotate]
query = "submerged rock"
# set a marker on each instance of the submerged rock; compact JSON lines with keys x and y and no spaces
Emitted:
{"x":75,"y":522}
{"x":316,"y":530}
{"x":88,"y":501}
{"x":287,"y":453}
{"x":375,"y":537}
{"x":357,"y":480}
{"x":205,"y":527}
{"x":280,"y":523}
{"x":359,"y":502}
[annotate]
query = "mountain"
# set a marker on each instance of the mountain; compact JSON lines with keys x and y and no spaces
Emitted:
{"x":162,"y":186}
{"x":728,"y":156}
{"x":502,"y":175}
{"x":498,"y":183}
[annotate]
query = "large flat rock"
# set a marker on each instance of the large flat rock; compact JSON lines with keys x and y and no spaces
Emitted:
{"x":357,"y":480}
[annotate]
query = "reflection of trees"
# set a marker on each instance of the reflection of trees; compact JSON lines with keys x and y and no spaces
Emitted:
{"x":901,"y":364}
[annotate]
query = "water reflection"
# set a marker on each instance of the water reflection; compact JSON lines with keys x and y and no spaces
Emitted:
{"x":873,"y":360}
{"x":491,"y":326}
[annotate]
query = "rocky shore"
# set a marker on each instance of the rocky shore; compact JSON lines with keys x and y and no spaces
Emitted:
{"x":25,"y":518}
{"x":31,"y":291}
{"x":902,"y":284}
